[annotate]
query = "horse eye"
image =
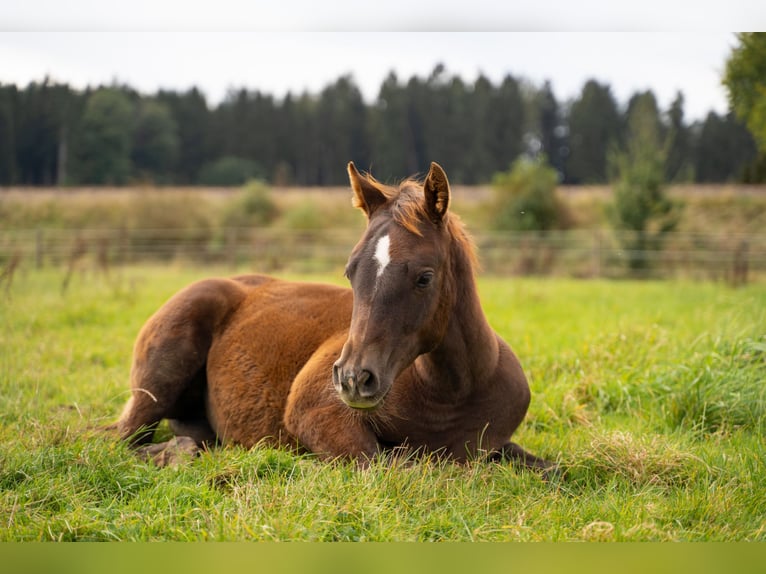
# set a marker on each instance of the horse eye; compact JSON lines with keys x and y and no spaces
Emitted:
{"x":349,"y":270}
{"x":424,"y":279}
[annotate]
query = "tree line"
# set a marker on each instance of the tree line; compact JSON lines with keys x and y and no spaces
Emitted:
{"x":53,"y":134}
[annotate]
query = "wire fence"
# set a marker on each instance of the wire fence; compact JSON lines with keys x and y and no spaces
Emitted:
{"x":737,"y":258}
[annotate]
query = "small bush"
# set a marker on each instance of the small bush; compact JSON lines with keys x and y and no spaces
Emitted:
{"x":525,"y":197}
{"x":304,"y":217}
{"x":253,"y":207}
{"x":642,"y":210}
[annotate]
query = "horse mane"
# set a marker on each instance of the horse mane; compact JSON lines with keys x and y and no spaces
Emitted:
{"x":406,"y":205}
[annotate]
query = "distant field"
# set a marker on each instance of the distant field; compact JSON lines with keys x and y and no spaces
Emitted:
{"x":652,"y":394}
{"x":476,"y":192}
{"x":312,"y":229}
{"x":711,"y":208}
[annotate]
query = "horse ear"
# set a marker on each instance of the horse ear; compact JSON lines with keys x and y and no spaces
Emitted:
{"x":436,"y":188}
{"x":367,"y":196}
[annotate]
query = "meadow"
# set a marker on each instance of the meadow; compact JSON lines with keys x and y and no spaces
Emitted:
{"x":651,"y":394}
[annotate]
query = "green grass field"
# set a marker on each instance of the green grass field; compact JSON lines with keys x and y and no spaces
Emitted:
{"x":651,"y":394}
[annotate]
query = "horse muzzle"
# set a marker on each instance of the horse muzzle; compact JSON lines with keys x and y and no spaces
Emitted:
{"x":358,"y":388}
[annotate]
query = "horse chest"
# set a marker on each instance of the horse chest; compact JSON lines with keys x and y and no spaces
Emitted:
{"x":438,"y":426}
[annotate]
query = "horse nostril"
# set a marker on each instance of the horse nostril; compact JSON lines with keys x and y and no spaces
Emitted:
{"x":340,"y":381}
{"x":354,"y":384}
{"x":367,"y":384}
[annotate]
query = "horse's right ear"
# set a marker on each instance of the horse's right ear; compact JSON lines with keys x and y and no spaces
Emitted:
{"x":367,"y":196}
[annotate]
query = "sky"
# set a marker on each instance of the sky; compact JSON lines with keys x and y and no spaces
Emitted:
{"x":292,"y":45}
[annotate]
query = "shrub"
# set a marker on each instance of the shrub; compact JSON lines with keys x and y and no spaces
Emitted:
{"x":304,"y":217}
{"x":525,"y":197}
{"x":253,"y":207}
{"x":642,"y":211}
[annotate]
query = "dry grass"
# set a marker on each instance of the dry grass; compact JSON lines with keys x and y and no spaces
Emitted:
{"x":709,"y":208}
{"x":649,"y":460}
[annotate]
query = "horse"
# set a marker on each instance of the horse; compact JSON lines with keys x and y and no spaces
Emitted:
{"x":403,"y":359}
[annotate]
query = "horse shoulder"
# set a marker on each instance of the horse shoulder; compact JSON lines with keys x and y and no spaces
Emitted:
{"x":509,"y":366}
{"x":488,"y":417}
{"x":509,"y":391}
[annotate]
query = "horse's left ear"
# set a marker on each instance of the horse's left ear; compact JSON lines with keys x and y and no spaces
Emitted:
{"x":436,"y":188}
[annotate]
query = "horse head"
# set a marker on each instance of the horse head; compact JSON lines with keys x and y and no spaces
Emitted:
{"x":400,"y":274}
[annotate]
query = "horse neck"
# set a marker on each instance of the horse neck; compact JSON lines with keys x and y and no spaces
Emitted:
{"x":468,"y":353}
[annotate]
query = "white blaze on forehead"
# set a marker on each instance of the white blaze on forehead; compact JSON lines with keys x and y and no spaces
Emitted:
{"x":382,"y":253}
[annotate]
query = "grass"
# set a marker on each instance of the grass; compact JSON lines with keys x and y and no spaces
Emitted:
{"x":650,"y":393}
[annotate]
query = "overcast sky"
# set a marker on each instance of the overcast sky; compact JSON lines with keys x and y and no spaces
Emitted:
{"x":297,"y":45}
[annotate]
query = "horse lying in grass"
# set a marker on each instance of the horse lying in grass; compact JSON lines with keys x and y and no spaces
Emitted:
{"x":405,"y":358}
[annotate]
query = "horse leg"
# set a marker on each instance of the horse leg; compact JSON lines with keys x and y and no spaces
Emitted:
{"x":515,"y":454}
{"x":168,"y":372}
{"x":159,"y":377}
{"x":319,"y":420}
{"x":189,"y":416}
{"x":197,"y":429}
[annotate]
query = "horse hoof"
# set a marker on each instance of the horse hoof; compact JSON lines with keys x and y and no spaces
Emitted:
{"x":176,"y":451}
{"x":555,"y":473}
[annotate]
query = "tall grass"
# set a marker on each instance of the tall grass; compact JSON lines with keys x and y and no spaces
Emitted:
{"x":650,"y":394}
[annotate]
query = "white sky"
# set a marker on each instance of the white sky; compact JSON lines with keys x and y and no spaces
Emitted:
{"x":298,"y":45}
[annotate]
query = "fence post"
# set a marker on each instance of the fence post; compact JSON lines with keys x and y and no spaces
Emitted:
{"x":740,"y":264}
{"x":39,"y":248}
{"x":231,"y":243}
{"x":597,"y":253}
{"x":123,"y":246}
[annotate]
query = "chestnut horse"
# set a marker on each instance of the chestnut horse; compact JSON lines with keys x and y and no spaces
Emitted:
{"x":405,"y":358}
